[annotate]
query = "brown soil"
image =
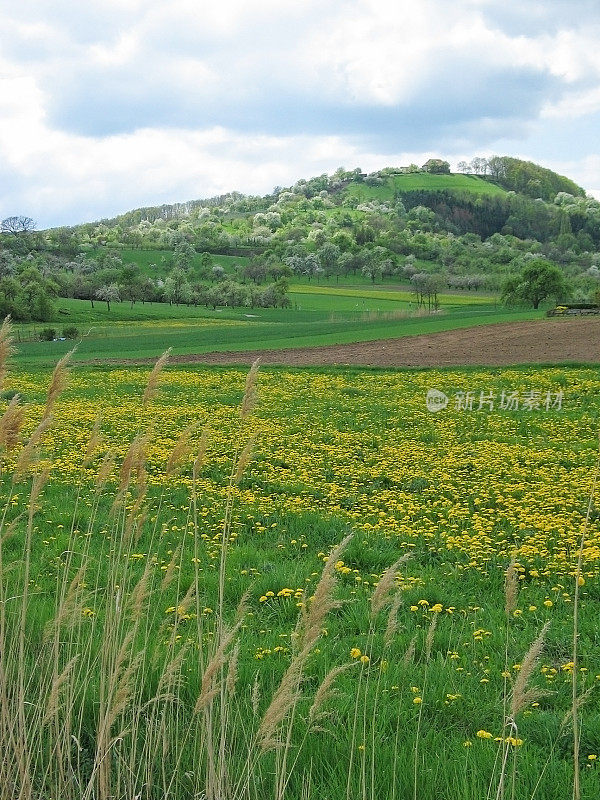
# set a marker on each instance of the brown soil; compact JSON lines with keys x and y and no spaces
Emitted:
{"x":540,"y":341}
{"x":536,"y":342}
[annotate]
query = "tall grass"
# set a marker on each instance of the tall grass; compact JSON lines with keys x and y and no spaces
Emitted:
{"x":101,"y":698}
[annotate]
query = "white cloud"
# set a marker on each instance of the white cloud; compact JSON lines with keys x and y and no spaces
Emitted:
{"x":110,"y":104}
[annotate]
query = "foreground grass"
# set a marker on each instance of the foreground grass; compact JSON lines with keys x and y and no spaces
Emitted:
{"x":121,"y":616}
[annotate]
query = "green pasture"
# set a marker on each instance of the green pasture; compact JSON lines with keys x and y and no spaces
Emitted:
{"x":373,"y":295}
{"x":424,"y":181}
{"x":317,"y":320}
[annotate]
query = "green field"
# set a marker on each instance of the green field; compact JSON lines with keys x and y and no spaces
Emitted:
{"x":122,"y":633}
{"x":318,"y":318}
{"x":376,"y":296}
{"x":425,"y":181}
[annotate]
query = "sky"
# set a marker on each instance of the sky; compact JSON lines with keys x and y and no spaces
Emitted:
{"x":110,"y":105}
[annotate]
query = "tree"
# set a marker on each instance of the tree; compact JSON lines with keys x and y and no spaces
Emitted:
{"x":426,"y":287}
{"x":539,"y":280}
{"x":329,"y":256}
{"x":16,"y":225}
{"x":109,"y":293}
{"x":176,"y":288}
{"x":217,"y":272}
{"x":437,"y":166}
{"x":183,"y":255}
{"x":130,"y":280}
{"x":497,"y":167}
{"x":255,"y":270}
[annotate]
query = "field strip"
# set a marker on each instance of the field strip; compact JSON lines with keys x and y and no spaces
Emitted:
{"x":388,"y":294}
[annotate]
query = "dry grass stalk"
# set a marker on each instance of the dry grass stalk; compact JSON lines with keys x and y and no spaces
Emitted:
{"x":326,"y":692}
{"x":243,"y":605}
{"x":52,"y":705}
{"x":383,"y":591}
{"x":430,"y":635}
{"x":6,"y":348}
{"x":244,"y":458}
{"x":105,"y":471}
{"x":139,"y":595}
{"x":207,"y":688}
{"x":409,"y":656}
{"x":37,"y":487}
{"x":201,"y":453}
{"x":189,"y":598}
{"x":283,"y":700}
{"x":94,"y":442}
{"x":9,"y":530}
{"x":232,"y":670}
{"x":255,"y":696}
{"x":11,"y":424}
{"x":392,"y":622}
{"x":171,"y":676}
{"x":67,"y":611}
{"x":136,"y":517}
{"x":134,"y":463}
{"x":180,"y":451}
{"x":322,"y":601}
{"x":287,"y":693}
{"x":58,"y":383}
{"x":29,"y":452}
{"x":154,"y":377}
{"x":250,"y":392}
{"x":171,"y":569}
{"x":124,"y":690}
{"x":511,"y":588}
{"x":521,"y":696}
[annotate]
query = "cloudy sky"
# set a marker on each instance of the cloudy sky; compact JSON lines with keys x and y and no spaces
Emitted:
{"x":108,"y":105}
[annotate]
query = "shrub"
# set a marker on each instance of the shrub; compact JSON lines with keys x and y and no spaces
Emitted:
{"x":70,"y":332}
{"x":47,"y":334}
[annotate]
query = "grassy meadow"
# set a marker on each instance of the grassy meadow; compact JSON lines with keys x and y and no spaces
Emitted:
{"x":298,"y":584}
{"x":420,"y":181}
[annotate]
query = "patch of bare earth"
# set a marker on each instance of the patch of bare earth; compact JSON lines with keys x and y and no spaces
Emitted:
{"x":530,"y":342}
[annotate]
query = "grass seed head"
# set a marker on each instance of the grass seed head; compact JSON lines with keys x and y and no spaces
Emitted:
{"x":151,"y":389}
{"x":322,"y":601}
{"x":383,"y":591}
{"x":522,"y":696}
{"x":11,"y":424}
{"x":58,"y":382}
{"x":30,"y":451}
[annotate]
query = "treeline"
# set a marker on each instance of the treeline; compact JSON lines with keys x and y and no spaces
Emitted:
{"x":31,"y":284}
{"x":523,"y":177}
{"x":515,"y":215}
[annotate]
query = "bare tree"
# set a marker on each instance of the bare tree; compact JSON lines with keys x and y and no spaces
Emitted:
{"x":16,"y":225}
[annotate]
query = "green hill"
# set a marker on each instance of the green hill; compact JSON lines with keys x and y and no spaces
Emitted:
{"x":423,"y":230}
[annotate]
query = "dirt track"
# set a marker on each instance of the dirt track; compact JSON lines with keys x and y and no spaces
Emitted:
{"x":541,"y":341}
